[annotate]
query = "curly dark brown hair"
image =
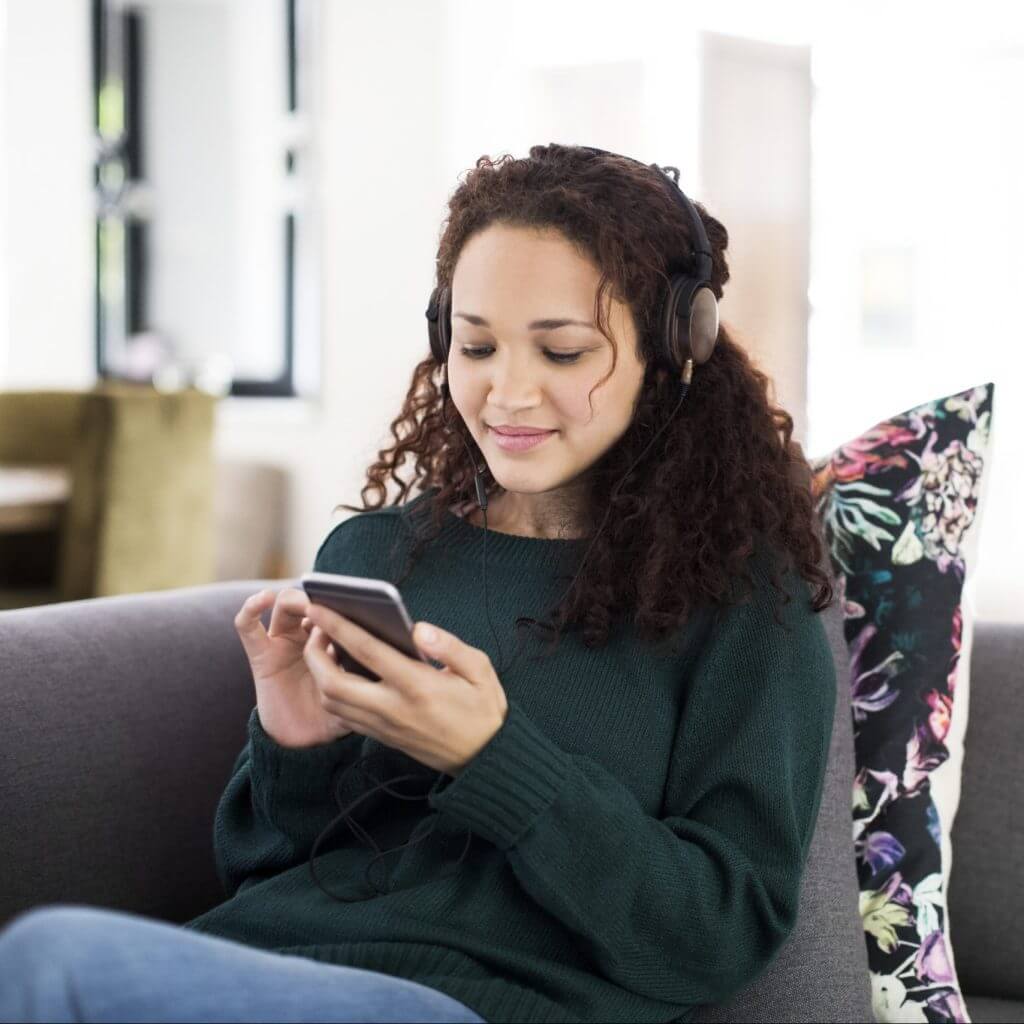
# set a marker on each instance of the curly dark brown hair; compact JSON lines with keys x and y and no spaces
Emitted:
{"x":722,"y":478}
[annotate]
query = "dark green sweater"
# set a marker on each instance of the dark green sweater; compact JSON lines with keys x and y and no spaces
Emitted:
{"x":639,"y":824}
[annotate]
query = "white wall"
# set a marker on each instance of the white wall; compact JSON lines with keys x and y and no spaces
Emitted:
{"x":755,"y":160}
{"x":4,"y":268}
{"x":50,"y":233}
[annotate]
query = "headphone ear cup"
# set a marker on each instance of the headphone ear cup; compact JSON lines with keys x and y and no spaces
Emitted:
{"x":439,"y":324}
{"x":689,"y":322}
{"x":703,"y":324}
{"x":444,"y":323}
{"x":674,"y":344}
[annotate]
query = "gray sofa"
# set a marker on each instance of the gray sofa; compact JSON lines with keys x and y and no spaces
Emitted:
{"x":122,"y":717}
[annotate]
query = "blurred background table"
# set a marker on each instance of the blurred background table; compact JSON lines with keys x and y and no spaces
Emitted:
{"x":33,"y":497}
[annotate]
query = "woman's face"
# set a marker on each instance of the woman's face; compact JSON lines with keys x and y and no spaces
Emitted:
{"x":516,"y":372}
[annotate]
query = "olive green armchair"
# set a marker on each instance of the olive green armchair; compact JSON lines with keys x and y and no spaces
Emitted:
{"x":140,"y":511}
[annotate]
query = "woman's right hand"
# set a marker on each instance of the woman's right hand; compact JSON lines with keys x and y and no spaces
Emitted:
{"x":288,"y":699}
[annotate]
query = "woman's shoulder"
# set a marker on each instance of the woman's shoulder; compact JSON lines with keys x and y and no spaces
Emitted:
{"x":360,"y":532}
{"x":385,"y":522}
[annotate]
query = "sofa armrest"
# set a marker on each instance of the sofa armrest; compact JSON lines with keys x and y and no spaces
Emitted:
{"x":122,"y":718}
{"x":986,"y":899}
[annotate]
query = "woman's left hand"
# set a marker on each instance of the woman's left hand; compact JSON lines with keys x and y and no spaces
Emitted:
{"x":441,"y":717}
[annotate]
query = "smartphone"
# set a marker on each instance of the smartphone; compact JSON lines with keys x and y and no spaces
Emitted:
{"x":374,"y":604}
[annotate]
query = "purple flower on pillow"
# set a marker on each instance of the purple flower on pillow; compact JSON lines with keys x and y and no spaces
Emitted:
{"x":869,"y":685}
{"x":882,"y":850}
{"x":932,"y":958}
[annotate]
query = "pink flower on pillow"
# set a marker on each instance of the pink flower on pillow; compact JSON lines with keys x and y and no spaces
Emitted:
{"x":942,"y":710}
{"x":932,"y":958}
{"x":858,"y":458}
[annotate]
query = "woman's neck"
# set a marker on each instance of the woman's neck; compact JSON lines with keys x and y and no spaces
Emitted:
{"x":498,"y":521}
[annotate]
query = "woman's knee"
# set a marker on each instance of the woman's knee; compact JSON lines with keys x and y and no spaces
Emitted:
{"x":52,"y":929}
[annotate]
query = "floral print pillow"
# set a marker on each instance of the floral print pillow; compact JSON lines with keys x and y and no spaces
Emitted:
{"x":900,"y":509}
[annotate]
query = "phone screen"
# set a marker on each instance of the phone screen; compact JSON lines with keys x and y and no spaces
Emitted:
{"x":374,"y":604}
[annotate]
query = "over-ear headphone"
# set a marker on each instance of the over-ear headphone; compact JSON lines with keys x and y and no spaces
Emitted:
{"x":689,"y":331}
{"x":689,"y":310}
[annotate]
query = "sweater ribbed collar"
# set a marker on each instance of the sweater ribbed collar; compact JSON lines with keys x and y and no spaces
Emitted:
{"x":537,"y":551}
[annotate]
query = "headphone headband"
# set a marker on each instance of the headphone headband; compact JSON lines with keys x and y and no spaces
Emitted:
{"x":702,"y":247}
{"x":689,"y":312}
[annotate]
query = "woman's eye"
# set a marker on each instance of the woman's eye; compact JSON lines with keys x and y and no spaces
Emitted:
{"x":555,"y":357}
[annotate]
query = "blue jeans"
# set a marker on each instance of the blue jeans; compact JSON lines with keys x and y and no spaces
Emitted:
{"x":65,"y":962}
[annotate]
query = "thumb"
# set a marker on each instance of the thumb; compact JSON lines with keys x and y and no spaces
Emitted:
{"x":441,"y":647}
{"x":428,"y":636}
{"x":447,"y":651}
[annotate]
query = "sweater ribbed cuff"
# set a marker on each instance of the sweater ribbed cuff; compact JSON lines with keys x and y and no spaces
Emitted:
{"x":509,"y":783}
{"x":299,"y":774}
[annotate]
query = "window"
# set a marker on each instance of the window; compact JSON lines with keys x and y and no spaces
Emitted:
{"x":206,"y":262}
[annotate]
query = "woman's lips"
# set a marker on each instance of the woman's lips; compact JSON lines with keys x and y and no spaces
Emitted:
{"x":520,"y":442}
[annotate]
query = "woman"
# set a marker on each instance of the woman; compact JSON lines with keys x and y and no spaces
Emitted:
{"x":632,"y":804}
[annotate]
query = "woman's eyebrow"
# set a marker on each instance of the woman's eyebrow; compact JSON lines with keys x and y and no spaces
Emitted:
{"x":549,"y":324}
